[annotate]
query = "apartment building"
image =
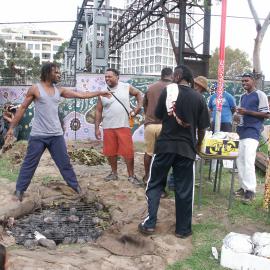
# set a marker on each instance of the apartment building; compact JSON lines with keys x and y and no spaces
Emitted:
{"x":151,"y":50}
{"x":41,"y":43}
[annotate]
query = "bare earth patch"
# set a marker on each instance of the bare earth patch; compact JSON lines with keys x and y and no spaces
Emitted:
{"x":121,"y":246}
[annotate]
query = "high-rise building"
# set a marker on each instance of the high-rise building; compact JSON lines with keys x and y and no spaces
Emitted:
{"x":151,"y":50}
{"x":41,"y":43}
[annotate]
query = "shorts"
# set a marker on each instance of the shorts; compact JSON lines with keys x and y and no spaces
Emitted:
{"x":151,"y":133}
{"x":118,"y":142}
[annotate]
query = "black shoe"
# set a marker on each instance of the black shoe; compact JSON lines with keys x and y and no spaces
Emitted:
{"x":183,"y":235}
{"x":19,"y":195}
{"x":239,"y":192}
{"x":144,"y":230}
{"x":248,"y":197}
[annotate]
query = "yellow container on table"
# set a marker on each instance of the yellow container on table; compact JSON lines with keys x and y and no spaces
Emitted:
{"x":227,"y":147}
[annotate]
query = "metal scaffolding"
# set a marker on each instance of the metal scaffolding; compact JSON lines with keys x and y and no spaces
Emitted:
{"x":137,"y":18}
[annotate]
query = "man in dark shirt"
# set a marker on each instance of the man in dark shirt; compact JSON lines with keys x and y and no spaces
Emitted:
{"x":183,"y":111}
{"x":152,"y":125}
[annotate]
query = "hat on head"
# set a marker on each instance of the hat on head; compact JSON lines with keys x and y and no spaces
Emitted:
{"x":202,"y":81}
{"x":248,"y":74}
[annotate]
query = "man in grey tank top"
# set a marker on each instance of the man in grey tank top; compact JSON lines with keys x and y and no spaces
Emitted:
{"x":46,"y":130}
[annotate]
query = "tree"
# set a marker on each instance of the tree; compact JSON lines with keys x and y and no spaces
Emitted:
{"x":59,"y":56}
{"x":17,"y":64}
{"x":236,"y":62}
{"x":261,"y":30}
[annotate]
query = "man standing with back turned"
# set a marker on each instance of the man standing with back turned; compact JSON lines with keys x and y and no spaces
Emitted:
{"x":46,"y":131}
{"x":183,"y":112}
{"x":152,"y":125}
{"x":253,"y":110}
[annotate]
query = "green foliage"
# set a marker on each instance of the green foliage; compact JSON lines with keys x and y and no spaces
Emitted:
{"x":7,"y":170}
{"x":17,"y":63}
{"x":236,"y":62}
{"x":60,"y":54}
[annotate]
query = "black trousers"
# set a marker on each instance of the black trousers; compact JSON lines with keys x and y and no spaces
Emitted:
{"x":183,"y":179}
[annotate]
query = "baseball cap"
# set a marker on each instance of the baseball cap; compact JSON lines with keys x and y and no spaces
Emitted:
{"x":248,"y":74}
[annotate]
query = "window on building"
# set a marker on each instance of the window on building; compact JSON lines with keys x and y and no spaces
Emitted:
{"x":147,"y":51}
{"x":146,"y":69}
{"x":143,"y":44}
{"x":56,"y":48}
{"x":151,"y":68}
{"x":159,"y":50}
{"x":46,"y":56}
{"x":157,"y":68}
{"x":37,"y":46}
{"x":152,"y":58}
{"x":30,"y":46}
{"x":157,"y":58}
{"x":152,"y":50}
{"x":46,"y":47}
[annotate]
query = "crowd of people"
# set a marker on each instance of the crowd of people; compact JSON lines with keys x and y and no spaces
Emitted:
{"x":176,"y":118}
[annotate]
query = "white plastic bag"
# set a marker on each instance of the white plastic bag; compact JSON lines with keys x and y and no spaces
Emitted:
{"x":240,"y":243}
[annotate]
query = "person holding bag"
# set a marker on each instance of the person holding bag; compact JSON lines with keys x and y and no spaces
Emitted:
{"x":114,"y":113}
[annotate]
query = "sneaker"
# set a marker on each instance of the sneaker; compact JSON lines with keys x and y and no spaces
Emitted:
{"x":134,"y":180}
{"x":111,"y":177}
{"x":144,"y":230}
{"x":248,"y":197}
{"x":239,"y":192}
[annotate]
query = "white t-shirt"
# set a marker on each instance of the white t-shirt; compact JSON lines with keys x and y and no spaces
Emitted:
{"x":114,"y":115}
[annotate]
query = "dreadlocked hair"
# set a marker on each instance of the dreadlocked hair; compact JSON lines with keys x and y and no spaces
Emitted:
{"x":46,"y":70}
{"x":185,"y":73}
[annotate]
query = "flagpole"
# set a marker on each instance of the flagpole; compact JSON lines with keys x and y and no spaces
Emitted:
{"x":221,"y":66}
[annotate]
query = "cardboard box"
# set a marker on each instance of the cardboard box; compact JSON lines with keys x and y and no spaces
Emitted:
{"x":242,"y":261}
{"x":220,"y":147}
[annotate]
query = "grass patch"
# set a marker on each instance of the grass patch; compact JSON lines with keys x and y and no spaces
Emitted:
{"x":211,"y":229}
{"x":7,"y":170}
{"x":205,"y":236}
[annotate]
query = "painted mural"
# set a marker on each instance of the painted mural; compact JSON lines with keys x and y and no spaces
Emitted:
{"x":77,"y":115}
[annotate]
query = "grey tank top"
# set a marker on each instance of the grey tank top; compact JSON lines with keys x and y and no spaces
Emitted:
{"x":46,"y":120}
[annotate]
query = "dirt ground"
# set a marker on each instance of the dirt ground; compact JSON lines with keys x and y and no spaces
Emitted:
{"x":120,"y":246}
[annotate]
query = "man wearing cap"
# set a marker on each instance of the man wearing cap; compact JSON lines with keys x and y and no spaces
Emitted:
{"x":253,"y":110}
{"x":201,"y":84}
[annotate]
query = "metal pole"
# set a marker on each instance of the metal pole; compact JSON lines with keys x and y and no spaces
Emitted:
{"x":182,"y":32}
{"x":221,"y":66}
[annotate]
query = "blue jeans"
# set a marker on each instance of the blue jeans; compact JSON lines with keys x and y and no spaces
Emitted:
{"x":58,"y":150}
